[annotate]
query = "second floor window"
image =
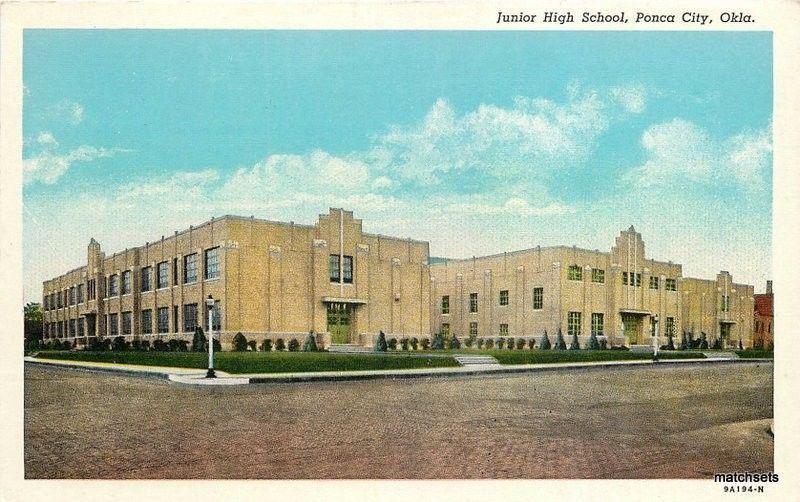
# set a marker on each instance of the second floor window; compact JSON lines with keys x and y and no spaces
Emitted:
{"x":146,"y":278}
{"x":347,"y":269}
{"x":598,"y":275}
{"x":333,"y":265}
{"x":473,"y":302}
{"x":538,"y":298}
{"x":341,"y":268}
{"x":670,"y":285}
{"x":190,"y":269}
{"x":113,"y":285}
{"x":653,"y":282}
{"x":161,"y":278}
{"x":126,"y":282}
{"x":725,"y":303}
{"x":574,"y":273}
{"x":504,"y":297}
{"x":212,"y":263}
{"x":445,"y":305}
{"x":79,"y":292}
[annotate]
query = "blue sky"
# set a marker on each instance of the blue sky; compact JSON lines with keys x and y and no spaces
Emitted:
{"x":479,"y":142}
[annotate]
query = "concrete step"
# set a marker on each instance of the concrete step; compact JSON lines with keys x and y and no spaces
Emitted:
{"x":349,"y":348}
{"x":722,"y":355}
{"x":475,"y":360}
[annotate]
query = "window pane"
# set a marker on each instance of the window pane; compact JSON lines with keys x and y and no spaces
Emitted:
{"x":333,"y":265}
{"x":347,"y":270}
{"x":212,"y":263}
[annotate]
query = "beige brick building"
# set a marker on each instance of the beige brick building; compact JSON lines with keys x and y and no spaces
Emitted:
{"x":282,"y":280}
{"x":618,"y":295}
{"x":269,"y":280}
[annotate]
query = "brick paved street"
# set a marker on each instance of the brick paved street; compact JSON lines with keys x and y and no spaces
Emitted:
{"x":638,"y":422}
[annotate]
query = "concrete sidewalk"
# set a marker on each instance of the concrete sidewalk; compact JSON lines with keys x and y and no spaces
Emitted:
{"x":192,"y":376}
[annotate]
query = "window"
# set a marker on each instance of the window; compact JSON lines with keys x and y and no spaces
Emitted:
{"x":445,"y":305}
{"x":653,"y":282}
{"x":574,"y":273}
{"x":597,"y":324}
{"x":175,"y":324}
{"x":725,"y":303}
{"x":669,"y":285}
{"x":347,"y":270}
{"x":80,"y":327}
{"x":637,"y":279}
{"x":79,"y":293}
{"x":147,"y":321}
{"x":174,"y":271}
{"x":504,"y":297}
{"x":446,"y":329}
{"x":598,"y":275}
{"x":574,"y":323}
{"x":190,"y":268}
{"x":538,"y":298}
{"x":113,"y":285}
{"x":473,"y":329}
{"x":72,"y":295}
{"x":503,"y":329}
{"x":216,"y":317}
{"x":161,"y":278}
{"x":147,"y":282}
{"x":163,"y":319}
{"x":73,"y":328}
{"x":126,"y":282}
{"x":189,"y":317}
{"x":669,"y":326}
{"x":127,"y":322}
{"x":113,"y":326}
{"x":58,"y":300}
{"x":473,"y":303}
{"x":333,"y":266}
{"x":91,"y":289}
{"x":212,"y":263}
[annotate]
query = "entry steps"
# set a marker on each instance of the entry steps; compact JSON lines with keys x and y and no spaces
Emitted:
{"x":482,"y":360}
{"x":349,"y":348}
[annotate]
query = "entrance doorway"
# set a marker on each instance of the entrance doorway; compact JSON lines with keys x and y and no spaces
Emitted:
{"x":724,"y":333}
{"x":339,"y":322}
{"x":633,"y":327}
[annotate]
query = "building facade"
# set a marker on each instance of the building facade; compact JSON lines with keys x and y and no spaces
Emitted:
{"x":621,"y":296}
{"x":268,"y":280}
{"x":763,"y":319}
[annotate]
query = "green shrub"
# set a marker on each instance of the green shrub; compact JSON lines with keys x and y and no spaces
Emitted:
{"x":67,"y":345}
{"x":574,"y":345}
{"x":520,"y":343}
{"x":199,"y":340}
{"x":404,"y":343}
{"x":310,"y":343}
{"x":594,"y":344}
{"x":545,"y":343}
{"x":501,"y":342}
{"x":217,"y":346}
{"x":294,"y":345}
{"x":560,"y":343}
{"x":159,"y":345}
{"x":380,"y":342}
{"x":266,"y":345}
{"x":279,"y":345}
{"x":251,"y":344}
{"x":425,"y":343}
{"x":685,"y":341}
{"x":118,"y":343}
{"x":470,"y":341}
{"x":239,"y":342}
{"x":670,"y":343}
{"x":393,"y":344}
{"x":145,"y":345}
{"x":489,"y":343}
{"x":454,"y":342}
{"x":414,"y":343}
{"x":510,"y":343}
{"x":703,"y":341}
{"x":531,"y":343}
{"x":437,"y":343}
{"x":136,"y":344}
{"x":718,"y":344}
{"x":603,"y":344}
{"x":480,"y":343}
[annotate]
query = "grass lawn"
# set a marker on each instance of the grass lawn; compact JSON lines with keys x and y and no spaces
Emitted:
{"x":258,"y":362}
{"x":755,"y":353}
{"x":575,"y":356}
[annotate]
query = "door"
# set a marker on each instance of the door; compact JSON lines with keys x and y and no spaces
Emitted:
{"x":339,"y":322}
{"x":724,"y":333}
{"x":632,"y":327}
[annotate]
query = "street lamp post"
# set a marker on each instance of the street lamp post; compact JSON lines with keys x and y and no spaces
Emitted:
{"x":655,"y":337}
{"x":210,"y":307}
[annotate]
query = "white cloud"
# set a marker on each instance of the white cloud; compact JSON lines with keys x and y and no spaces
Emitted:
{"x":514,"y":206}
{"x":47,"y":167}
{"x":75,"y":111}
{"x":46,"y":139}
{"x":631,"y":97}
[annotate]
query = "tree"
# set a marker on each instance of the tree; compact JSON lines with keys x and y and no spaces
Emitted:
{"x":310,"y":343}
{"x":594,"y":343}
{"x":280,"y":345}
{"x":560,"y":343}
{"x":33,"y":327}
{"x":266,"y":345}
{"x":703,"y":341}
{"x":545,"y":343}
{"x":574,"y":345}
{"x":294,"y":345}
{"x":670,"y":343}
{"x":118,"y":343}
{"x":414,"y":342}
{"x":239,"y":342}
{"x":438,"y":342}
{"x":501,"y":342}
{"x":251,"y":344}
{"x":380,"y":342}
{"x":684,"y":341}
{"x":454,"y":343}
{"x":425,"y":343}
{"x":404,"y":343}
{"x":199,"y":340}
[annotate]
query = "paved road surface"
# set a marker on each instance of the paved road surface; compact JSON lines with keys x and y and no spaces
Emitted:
{"x":622,"y":423}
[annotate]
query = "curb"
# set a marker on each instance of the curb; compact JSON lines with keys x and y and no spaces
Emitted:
{"x":198,"y":379}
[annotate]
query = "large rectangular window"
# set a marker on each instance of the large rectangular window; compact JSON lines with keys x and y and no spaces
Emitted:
{"x":176,"y":326}
{"x":670,"y":285}
{"x":212,"y":263}
{"x":538,"y":298}
{"x":126,"y":282}
{"x":597,"y":324}
{"x":504,"y":297}
{"x":72,"y":295}
{"x":574,"y":273}
{"x":73,"y":327}
{"x":473,"y":303}
{"x":598,"y":275}
{"x":190,"y":317}
{"x":80,"y":327}
{"x":161,"y":271}
{"x":724,"y":303}
{"x":446,"y":329}
{"x":147,"y":279}
{"x":574,"y":323}
{"x":347,"y":269}
{"x":653,"y":282}
{"x":91,"y":289}
{"x":113,"y":285}
{"x":503,"y":329}
{"x":127,"y":323}
{"x":333,"y":268}
{"x":190,"y":268}
{"x":473,"y":329}
{"x":175,"y":272}
{"x":79,"y":293}
{"x":669,"y":326}
{"x":445,"y":304}
{"x":147,"y":321}
{"x":163,"y":320}
{"x":113,"y":325}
